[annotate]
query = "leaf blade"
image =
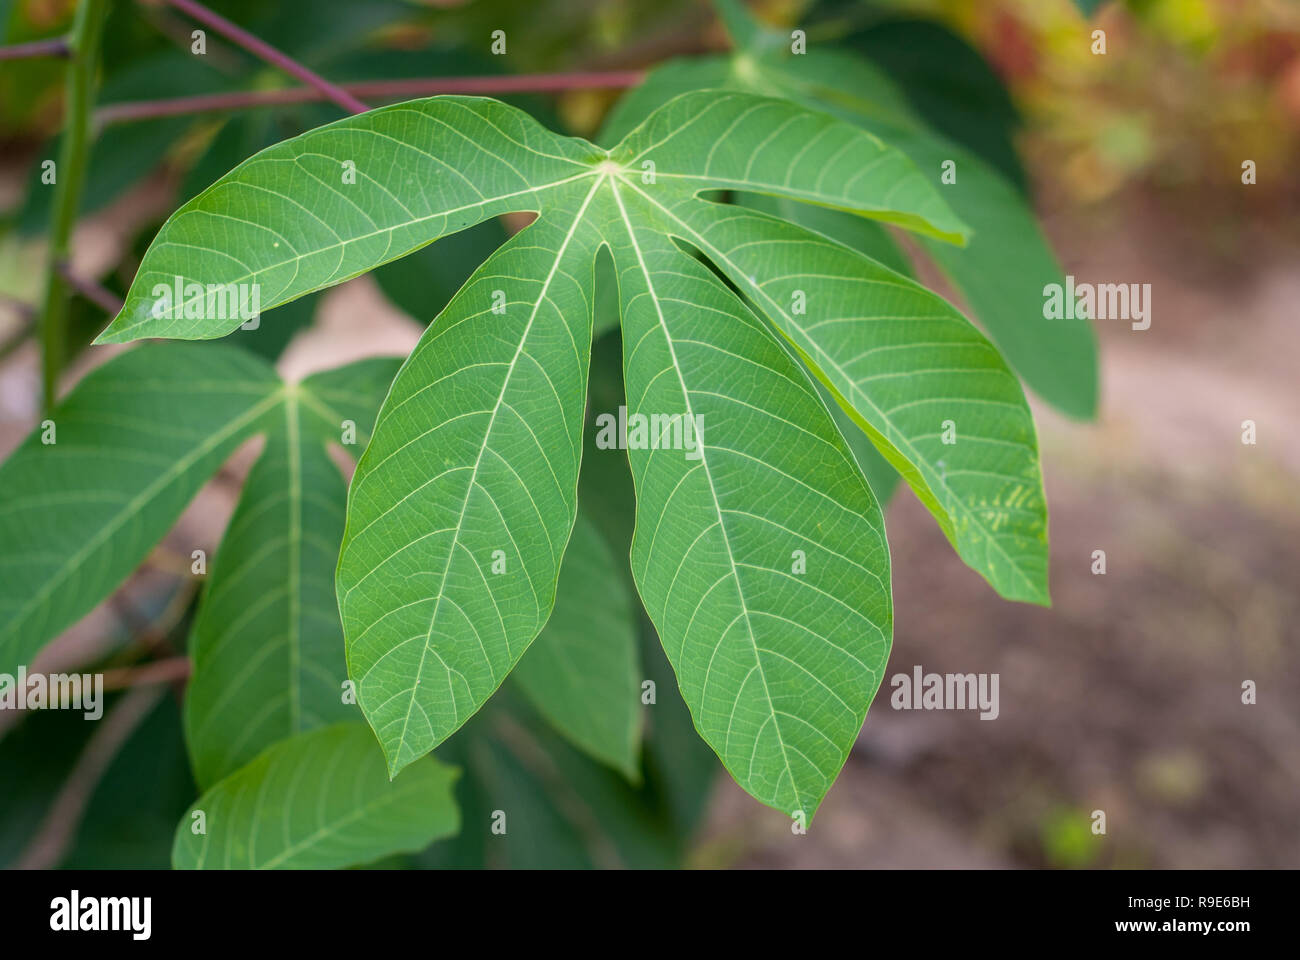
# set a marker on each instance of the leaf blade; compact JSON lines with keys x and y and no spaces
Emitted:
{"x":133,"y":444}
{"x":490,"y":510}
{"x":772,"y":146}
{"x":250,"y":227}
{"x":846,"y":593}
{"x":258,"y":818}
{"x":904,"y":364}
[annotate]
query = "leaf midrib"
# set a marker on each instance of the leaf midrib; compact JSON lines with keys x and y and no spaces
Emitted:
{"x":294,"y":627}
{"x":726,"y":539}
{"x":487,"y":433}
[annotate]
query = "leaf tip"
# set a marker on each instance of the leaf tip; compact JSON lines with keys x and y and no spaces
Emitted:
{"x":118,"y":331}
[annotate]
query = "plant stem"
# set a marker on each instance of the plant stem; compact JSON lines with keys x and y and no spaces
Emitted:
{"x":263,"y":50}
{"x":379,"y":89}
{"x":53,"y":47}
{"x":70,"y":177}
{"x":58,"y":828}
{"x":156,"y":671}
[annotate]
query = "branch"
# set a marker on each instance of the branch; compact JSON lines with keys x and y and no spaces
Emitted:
{"x":379,"y":89}
{"x":54,"y":47}
{"x":56,"y":832}
{"x":264,"y":51}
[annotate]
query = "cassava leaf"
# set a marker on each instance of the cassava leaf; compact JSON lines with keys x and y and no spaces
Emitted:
{"x":267,"y":633}
{"x":581,"y":672}
{"x":267,"y":645}
{"x":759,"y":551}
{"x":132,"y":444}
{"x":317,"y":801}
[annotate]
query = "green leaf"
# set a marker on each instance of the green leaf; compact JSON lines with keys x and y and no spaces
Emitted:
{"x":479,"y":439}
{"x":759,"y":552}
{"x":132,"y":445}
{"x":777,"y":658}
{"x":319,"y":800}
{"x":778,"y":148}
{"x":581,"y":672}
{"x":286,"y":220}
{"x":267,"y":644}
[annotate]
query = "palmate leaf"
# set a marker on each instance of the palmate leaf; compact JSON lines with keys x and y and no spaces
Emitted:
{"x":317,"y":801}
{"x":85,"y":497}
{"x":267,"y":644}
{"x":759,"y":550}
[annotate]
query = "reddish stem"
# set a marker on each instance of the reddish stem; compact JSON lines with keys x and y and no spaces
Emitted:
{"x":157,"y":671}
{"x":99,"y":295}
{"x":379,"y":89}
{"x":265,"y":51}
{"x":55,"y":47}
